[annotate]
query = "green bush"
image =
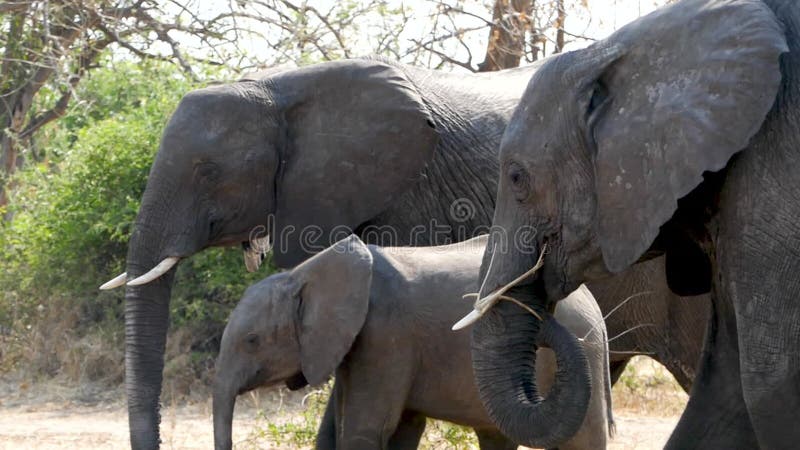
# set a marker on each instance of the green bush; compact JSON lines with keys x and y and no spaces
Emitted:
{"x":73,"y":212}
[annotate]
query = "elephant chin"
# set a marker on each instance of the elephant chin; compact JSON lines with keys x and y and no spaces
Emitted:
{"x":504,"y":361}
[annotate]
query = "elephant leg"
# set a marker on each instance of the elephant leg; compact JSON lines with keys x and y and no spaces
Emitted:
{"x":617,"y":368}
{"x":677,"y":368}
{"x":326,"y":435}
{"x":716,"y":416}
{"x":409,"y":431}
{"x":687,"y":317}
{"x":368,"y":409}
{"x":765,"y":290}
{"x":493,"y":440}
{"x":771,"y":375}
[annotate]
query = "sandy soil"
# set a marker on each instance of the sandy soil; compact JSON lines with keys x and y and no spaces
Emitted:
{"x":105,"y":427}
{"x":647,"y":404}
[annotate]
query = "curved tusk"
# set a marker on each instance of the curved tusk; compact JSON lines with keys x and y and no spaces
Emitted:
{"x":252,"y":260}
{"x":468,"y":320}
{"x":485,"y":304}
{"x":162,"y":268}
{"x":115,"y":282}
{"x":254,"y":252}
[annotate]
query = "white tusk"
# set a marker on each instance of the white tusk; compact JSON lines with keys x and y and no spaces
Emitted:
{"x":252,"y":260}
{"x":255,"y":252}
{"x":484,"y":304}
{"x":162,"y":268}
{"x":476,"y":313}
{"x":115,"y":282}
{"x":261,"y":244}
{"x":468,"y":320}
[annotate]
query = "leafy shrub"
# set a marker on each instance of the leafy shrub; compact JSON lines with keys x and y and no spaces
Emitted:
{"x":73,"y":212}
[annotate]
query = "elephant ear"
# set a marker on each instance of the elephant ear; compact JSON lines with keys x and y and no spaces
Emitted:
{"x":679,"y":92}
{"x":358,"y":136}
{"x":334,"y":288}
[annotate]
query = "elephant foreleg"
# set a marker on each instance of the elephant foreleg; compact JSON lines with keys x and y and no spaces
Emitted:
{"x":409,"y":432}
{"x":616,"y":369}
{"x":326,"y":435}
{"x":716,"y":416}
{"x":493,"y":440}
{"x":764,"y":292}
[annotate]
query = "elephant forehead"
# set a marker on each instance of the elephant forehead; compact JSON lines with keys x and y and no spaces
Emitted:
{"x":219,"y":112}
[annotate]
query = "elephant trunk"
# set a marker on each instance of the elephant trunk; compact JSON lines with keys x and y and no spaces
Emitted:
{"x":504,"y":361}
{"x":224,"y":402}
{"x":146,"y":323}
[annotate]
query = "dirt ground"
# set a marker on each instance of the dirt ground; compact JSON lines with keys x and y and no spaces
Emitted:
{"x":647,"y":406}
{"x":104,"y":427}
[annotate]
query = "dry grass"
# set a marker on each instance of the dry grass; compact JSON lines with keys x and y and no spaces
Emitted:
{"x":60,"y":357}
{"x":50,"y":348}
{"x":647,"y":388}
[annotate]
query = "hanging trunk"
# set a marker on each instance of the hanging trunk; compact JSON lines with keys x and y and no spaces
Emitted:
{"x":504,"y":361}
{"x":147,"y":319}
{"x":224,"y":402}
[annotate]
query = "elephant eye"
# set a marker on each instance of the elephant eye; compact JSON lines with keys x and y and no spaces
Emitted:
{"x":598,"y":98}
{"x":252,"y":340}
{"x":519,"y":180}
{"x":206,"y":171}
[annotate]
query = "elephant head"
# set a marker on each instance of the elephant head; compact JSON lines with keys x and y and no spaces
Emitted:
{"x":296,"y":325}
{"x":299,"y":152}
{"x":596,"y":158}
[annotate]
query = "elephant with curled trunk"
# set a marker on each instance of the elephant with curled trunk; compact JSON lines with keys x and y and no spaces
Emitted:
{"x":679,"y":136}
{"x":399,"y":155}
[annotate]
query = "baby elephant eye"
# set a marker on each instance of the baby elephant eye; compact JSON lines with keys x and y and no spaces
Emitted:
{"x":251,"y":340}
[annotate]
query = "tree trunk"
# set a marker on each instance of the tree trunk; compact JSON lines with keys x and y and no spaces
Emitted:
{"x":561,"y":18}
{"x":507,"y":35}
{"x":13,"y":107}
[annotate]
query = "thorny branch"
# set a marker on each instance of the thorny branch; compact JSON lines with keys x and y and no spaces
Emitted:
{"x":516,"y":29}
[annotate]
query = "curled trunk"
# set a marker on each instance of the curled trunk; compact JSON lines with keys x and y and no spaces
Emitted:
{"x":504,"y":361}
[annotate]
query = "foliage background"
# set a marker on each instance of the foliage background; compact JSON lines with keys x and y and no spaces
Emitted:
{"x":72,"y":215}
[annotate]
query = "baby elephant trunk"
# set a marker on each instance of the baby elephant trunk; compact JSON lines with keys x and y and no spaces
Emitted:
{"x":224,"y":402}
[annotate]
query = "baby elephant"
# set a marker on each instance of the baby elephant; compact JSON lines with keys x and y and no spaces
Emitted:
{"x":379,"y":319}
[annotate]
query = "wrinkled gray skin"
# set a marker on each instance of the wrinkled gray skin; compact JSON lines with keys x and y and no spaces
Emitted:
{"x":359,"y":144}
{"x":655,"y":322}
{"x":677,"y":135}
{"x":379,"y":318}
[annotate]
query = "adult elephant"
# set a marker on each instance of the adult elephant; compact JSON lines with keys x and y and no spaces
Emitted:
{"x":677,"y":135}
{"x":400,"y":155}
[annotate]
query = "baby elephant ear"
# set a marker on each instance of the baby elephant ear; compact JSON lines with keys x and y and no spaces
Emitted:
{"x":684,"y":90}
{"x":334,"y":299}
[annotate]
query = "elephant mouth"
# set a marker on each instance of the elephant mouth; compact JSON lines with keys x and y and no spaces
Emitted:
{"x":257,"y":380}
{"x":262,"y":379}
{"x":484,"y":304}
